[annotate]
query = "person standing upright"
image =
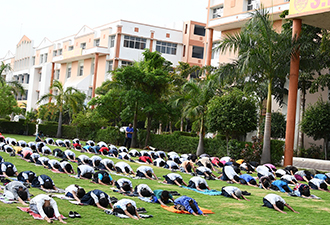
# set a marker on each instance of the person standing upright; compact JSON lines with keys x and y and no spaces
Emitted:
{"x":128,"y":136}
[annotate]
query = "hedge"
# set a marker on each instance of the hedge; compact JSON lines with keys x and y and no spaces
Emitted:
{"x":181,"y":142}
{"x":20,"y":127}
{"x":215,"y":147}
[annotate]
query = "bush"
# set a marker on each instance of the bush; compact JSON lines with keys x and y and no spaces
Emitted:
{"x":252,"y":151}
{"x":48,"y":128}
{"x":314,"y":152}
{"x":110,"y":135}
{"x":69,"y":132}
{"x":20,"y":127}
{"x":276,"y":151}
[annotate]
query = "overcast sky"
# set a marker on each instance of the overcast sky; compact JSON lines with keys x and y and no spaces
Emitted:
{"x":55,"y":19}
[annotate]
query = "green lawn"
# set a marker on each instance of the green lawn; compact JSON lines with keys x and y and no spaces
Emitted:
{"x":227,"y":210}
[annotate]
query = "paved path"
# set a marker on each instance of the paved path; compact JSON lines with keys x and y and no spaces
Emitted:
{"x":307,"y":163}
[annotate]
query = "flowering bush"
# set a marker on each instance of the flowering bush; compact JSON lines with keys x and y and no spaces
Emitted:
{"x":252,"y":151}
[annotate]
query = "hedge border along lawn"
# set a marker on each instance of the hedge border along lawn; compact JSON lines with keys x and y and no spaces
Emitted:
{"x":227,"y":210}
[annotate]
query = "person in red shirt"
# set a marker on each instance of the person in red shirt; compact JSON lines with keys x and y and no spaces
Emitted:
{"x":145,"y":159}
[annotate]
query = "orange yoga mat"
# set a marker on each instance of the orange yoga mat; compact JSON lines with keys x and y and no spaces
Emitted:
{"x":172,"y":209}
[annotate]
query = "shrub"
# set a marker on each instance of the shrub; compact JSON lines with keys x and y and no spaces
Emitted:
{"x":110,"y":135}
{"x":276,"y":151}
{"x":20,"y":127}
{"x":252,"y":151}
{"x":48,"y":128}
{"x":314,"y":152}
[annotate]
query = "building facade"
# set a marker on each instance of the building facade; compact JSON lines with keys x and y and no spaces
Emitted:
{"x":85,"y":60}
{"x":228,"y":17}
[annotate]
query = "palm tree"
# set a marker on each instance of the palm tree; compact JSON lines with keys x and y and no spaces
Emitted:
{"x":263,"y":55}
{"x":198,"y":93}
{"x":15,"y":86}
{"x":63,"y":97}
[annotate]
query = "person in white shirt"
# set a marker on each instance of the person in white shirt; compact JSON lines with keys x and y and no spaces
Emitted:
{"x":124,"y":185}
{"x":46,"y":207}
{"x":198,"y":183}
{"x":123,"y":167}
{"x":146,"y":171}
{"x":17,"y":191}
{"x":75,"y":191}
{"x":85,"y":172}
{"x":233,"y":192}
{"x":143,"y":190}
{"x":174,"y":178}
{"x":276,"y":202}
{"x":68,"y":154}
{"x":127,"y":207}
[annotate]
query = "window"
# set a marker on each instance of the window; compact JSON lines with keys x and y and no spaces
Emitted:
{"x":60,"y":52}
{"x":186,"y":29}
{"x":126,"y":63}
{"x":90,"y":92}
{"x":57,"y":74}
{"x":251,"y":4}
{"x":40,"y":76}
{"x":38,"y":95}
{"x":197,"y":52}
{"x":41,"y":58}
{"x":184,"y":51}
{"x":112,"y":41}
{"x":83,"y":45}
{"x":33,"y":60}
{"x":166,"y":48}
{"x":134,"y":42}
{"x":109,"y":66}
{"x":27,"y":78}
{"x":24,"y":97}
{"x":22,"y":81}
{"x":97,"y":42}
{"x":46,"y":56}
{"x":217,"y":12}
{"x":81,"y":70}
{"x":199,"y":30}
{"x":70,"y":48}
{"x":68,"y":71}
{"x":214,"y":45}
{"x":54,"y":52}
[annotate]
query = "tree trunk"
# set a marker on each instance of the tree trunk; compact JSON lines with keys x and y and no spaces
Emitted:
{"x":148,"y":129}
{"x":200,"y":148}
{"x":59,"y":127}
{"x":302,"y":144}
{"x":160,"y":128}
{"x":181,"y":125}
{"x":134,"y":136}
{"x":171,"y":127}
{"x":325,"y":147}
{"x":227,"y":140}
{"x":265,"y":156}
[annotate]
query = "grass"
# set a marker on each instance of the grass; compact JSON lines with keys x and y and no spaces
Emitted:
{"x":227,"y":210}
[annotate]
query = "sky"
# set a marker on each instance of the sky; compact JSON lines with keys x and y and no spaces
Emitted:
{"x":56,"y":19}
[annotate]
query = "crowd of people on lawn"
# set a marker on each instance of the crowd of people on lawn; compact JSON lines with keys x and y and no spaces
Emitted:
{"x":99,"y":169}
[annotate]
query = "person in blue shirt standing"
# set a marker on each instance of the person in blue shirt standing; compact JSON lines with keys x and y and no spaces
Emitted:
{"x":128,"y":136}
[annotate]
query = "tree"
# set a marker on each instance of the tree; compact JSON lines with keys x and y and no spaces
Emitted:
{"x":316,"y":122}
{"x":278,"y":125}
{"x":8,"y":103}
{"x":68,"y":96}
{"x":232,"y":114}
{"x":14,"y":85}
{"x":198,"y":93}
{"x":263,"y":55}
{"x":144,"y":84}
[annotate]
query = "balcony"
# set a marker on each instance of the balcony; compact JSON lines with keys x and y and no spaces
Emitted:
{"x":238,"y":20}
{"x":80,"y":54}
